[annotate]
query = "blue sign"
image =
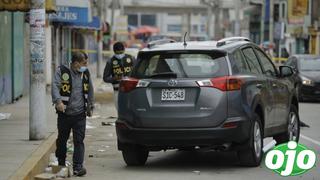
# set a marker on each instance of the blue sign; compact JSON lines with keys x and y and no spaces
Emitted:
{"x":94,"y":24}
{"x":70,"y":15}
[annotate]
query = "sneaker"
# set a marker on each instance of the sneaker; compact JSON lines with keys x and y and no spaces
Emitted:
{"x":80,"y":172}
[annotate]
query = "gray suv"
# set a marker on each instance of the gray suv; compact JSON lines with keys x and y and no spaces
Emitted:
{"x":225,"y":95}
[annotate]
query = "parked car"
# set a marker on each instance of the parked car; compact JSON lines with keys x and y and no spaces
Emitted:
{"x":224,"y":95}
{"x":307,"y":77}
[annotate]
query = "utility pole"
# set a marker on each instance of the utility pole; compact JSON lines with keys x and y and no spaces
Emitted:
{"x":237,"y":22}
{"x":113,"y":7}
{"x":209,"y":21}
{"x":271,"y":25}
{"x":212,"y":5}
{"x":263,"y":15}
{"x":37,"y":102}
{"x":100,"y":45}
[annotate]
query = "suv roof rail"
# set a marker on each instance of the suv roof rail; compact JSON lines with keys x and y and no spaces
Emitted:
{"x":160,"y":42}
{"x":225,"y":41}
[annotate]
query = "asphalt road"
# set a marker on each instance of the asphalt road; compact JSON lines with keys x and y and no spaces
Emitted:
{"x":104,"y":161}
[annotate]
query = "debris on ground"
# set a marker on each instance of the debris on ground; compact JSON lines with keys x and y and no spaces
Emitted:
{"x":70,"y":147}
{"x":269,"y":146}
{"x":63,"y":173}
{"x":48,"y":170}
{"x":44,"y":176}
{"x":94,"y":117}
{"x":89,"y":125}
{"x":97,"y":106}
{"x":53,"y":161}
{"x":302,"y":124}
{"x":5,"y":116}
{"x":101,"y":150}
{"x":90,"y":155}
{"x":108,"y":123}
{"x":196,"y":172}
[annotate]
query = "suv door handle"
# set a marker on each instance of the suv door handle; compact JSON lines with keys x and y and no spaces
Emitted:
{"x":259,"y":86}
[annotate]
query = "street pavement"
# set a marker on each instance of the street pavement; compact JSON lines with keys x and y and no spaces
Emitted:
{"x":104,"y":161}
{"x":15,"y":146}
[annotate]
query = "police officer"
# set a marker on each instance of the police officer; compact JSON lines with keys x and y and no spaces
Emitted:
{"x":72,"y":94}
{"x":120,"y":65}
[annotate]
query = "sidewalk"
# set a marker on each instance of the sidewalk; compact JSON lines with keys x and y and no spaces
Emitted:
{"x":17,"y":152}
{"x":15,"y":146}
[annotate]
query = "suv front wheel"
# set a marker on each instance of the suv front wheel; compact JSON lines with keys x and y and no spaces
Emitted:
{"x":252,"y":154}
{"x":293,"y":130}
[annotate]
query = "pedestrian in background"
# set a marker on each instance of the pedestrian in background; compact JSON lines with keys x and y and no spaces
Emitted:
{"x":120,"y":65}
{"x":72,"y":94}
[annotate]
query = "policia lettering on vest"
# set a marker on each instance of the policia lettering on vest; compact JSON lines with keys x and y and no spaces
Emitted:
{"x":118,"y":66}
{"x":72,"y":94}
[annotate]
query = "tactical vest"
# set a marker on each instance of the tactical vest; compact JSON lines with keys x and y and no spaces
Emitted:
{"x":121,"y":67}
{"x":66,"y":85}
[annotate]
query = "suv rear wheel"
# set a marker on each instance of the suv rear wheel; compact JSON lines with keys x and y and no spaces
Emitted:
{"x":293,"y":131}
{"x":135,"y":155}
{"x":252,"y":154}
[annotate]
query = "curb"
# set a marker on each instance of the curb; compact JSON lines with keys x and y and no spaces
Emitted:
{"x":37,"y":161}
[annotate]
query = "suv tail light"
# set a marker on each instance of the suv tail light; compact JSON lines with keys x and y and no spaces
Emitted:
{"x":129,"y":84}
{"x":225,"y":83}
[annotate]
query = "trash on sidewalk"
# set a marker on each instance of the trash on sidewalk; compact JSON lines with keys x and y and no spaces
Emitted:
{"x":196,"y":172}
{"x":112,"y":117}
{"x":48,"y":170}
{"x":302,"y":124}
{"x":56,"y":169}
{"x":108,"y":123}
{"x":101,"y":150}
{"x":97,"y":106}
{"x":103,"y":87}
{"x":53,"y":161}
{"x":88,"y":125}
{"x":70,"y":148}
{"x":268,"y":146}
{"x":105,"y":146}
{"x":5,"y":116}
{"x":63,"y":173}
{"x":44,"y":176}
{"x":94,"y":117}
{"x":91,"y":156}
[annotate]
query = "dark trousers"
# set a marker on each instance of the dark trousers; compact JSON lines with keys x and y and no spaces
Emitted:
{"x":78,"y":125}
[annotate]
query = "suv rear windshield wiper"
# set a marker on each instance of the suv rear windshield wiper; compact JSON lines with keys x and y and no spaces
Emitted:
{"x":164,"y":75}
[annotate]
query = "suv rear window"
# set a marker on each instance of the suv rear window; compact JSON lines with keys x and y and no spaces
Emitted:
{"x":184,"y":65}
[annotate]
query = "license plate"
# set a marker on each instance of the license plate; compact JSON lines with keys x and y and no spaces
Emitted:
{"x":173,"y":94}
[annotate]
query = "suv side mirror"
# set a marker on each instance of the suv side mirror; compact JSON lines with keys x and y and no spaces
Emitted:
{"x":286,"y":71}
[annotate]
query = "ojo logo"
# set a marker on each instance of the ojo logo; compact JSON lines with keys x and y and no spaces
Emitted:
{"x":290,"y":159}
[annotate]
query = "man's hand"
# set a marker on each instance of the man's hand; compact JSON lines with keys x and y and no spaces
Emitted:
{"x":60,"y":106}
{"x":90,"y":110}
{"x":116,"y":79}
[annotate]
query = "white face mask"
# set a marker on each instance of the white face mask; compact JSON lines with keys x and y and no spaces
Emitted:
{"x":119,"y":56}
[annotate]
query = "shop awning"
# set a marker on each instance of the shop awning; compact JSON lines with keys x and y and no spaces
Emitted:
{"x":93,"y":25}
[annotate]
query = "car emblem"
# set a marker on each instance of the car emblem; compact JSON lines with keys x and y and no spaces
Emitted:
{"x":172,"y":82}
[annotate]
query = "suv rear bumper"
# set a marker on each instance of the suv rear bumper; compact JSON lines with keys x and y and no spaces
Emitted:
{"x":178,"y":137}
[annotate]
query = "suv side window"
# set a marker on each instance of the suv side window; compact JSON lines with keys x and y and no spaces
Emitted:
{"x":266,"y":64}
{"x":238,"y":63}
{"x":252,"y":60}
